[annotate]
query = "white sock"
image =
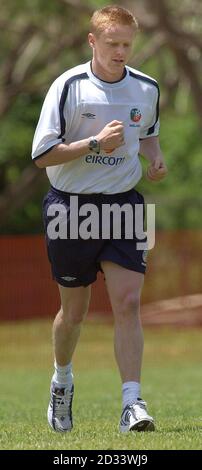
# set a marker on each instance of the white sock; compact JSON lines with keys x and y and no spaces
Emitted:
{"x":63,"y":374}
{"x":130,"y":393}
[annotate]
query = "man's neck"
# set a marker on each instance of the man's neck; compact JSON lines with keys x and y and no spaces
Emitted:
{"x":105,"y":76}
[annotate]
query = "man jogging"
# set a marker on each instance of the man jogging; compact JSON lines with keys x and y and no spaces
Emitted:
{"x":95,"y":120}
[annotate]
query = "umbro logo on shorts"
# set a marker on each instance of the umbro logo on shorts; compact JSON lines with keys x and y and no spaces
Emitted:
{"x":68,"y":278}
{"x":88,"y":115}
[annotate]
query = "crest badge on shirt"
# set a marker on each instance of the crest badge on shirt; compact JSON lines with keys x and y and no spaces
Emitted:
{"x":135,"y":116}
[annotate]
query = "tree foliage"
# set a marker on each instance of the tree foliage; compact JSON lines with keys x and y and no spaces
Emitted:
{"x":40,"y":40}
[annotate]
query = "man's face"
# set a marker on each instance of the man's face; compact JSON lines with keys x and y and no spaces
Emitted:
{"x":112,"y":48}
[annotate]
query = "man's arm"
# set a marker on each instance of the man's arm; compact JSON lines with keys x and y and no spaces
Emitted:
{"x":110,"y":137}
{"x":63,"y":153}
{"x":150,"y":149}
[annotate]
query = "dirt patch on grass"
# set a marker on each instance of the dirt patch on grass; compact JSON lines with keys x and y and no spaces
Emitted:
{"x":180,"y":311}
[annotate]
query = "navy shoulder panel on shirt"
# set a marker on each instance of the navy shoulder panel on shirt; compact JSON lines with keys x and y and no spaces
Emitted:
{"x":81,"y":76}
{"x":143,"y":78}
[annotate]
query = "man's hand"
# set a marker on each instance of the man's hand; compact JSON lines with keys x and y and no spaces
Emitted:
{"x":150,"y":149}
{"x":111,"y":136}
{"x":157,"y":170}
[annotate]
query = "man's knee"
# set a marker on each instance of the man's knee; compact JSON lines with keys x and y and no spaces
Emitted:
{"x":127,"y":303}
{"x":72,"y":315}
{"x":74,"y":305}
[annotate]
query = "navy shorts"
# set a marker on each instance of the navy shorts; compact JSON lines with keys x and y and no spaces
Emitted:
{"x":74,"y":260}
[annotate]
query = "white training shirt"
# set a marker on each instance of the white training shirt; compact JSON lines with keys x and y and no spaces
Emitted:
{"x":77,"y":106}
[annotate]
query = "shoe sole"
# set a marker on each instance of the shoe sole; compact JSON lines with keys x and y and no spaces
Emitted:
{"x":141,"y":426}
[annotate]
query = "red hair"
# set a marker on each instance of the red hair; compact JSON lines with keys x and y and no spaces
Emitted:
{"x":110,"y":15}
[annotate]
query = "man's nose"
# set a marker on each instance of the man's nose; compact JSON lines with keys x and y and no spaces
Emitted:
{"x":120,"y":50}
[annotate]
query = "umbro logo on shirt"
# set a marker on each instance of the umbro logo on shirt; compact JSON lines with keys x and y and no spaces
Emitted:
{"x":88,"y":115}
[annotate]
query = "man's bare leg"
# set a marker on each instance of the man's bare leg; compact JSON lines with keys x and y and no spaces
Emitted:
{"x":68,"y":321}
{"x":124,"y":288}
{"x":66,"y":331}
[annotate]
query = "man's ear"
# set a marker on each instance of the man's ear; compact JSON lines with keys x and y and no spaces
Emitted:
{"x":91,"y":40}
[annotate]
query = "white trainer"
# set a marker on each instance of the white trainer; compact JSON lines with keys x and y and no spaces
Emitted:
{"x":136,"y":418}
{"x":60,"y":408}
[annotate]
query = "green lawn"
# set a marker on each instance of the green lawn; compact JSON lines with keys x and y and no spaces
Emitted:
{"x":171,"y":384}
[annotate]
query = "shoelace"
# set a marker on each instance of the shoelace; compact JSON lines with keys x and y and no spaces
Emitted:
{"x":61,"y":404}
{"x":139,"y":404}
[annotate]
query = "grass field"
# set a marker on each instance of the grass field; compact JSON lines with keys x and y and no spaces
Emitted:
{"x":171,"y":383}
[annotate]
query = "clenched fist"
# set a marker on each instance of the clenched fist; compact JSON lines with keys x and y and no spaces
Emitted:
{"x":111,"y":136}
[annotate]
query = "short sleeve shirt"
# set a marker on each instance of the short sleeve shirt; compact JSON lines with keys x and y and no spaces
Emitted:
{"x":77,"y":106}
